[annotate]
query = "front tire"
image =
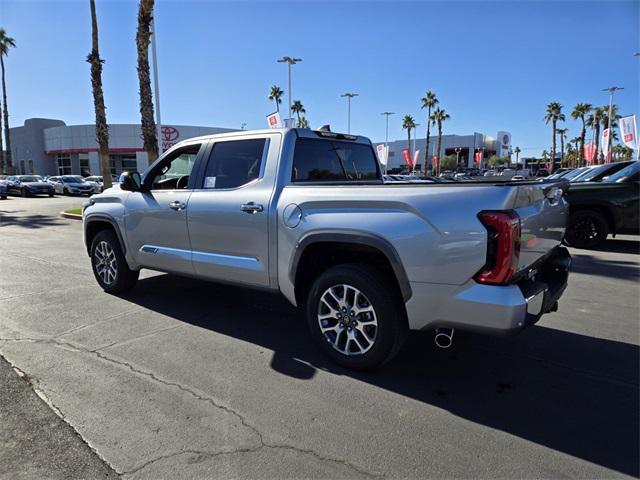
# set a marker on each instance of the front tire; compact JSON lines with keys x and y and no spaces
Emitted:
{"x":355,"y":317}
{"x":586,"y":229}
{"x":109,"y":265}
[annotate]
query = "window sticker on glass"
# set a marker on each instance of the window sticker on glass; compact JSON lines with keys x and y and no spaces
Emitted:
{"x":209,"y":182}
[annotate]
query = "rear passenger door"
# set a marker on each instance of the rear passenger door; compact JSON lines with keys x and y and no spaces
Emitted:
{"x":228,"y":215}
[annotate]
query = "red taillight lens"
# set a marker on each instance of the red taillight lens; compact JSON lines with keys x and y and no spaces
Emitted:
{"x":503,"y":247}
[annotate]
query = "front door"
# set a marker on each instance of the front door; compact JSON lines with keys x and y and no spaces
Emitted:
{"x":228,"y":210}
{"x":156,"y":220}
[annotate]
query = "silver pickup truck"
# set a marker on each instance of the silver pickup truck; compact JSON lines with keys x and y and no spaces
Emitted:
{"x":306,"y":213}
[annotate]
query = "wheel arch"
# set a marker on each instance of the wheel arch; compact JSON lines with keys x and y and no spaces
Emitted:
{"x":319,"y":251}
{"x":96,"y":223}
{"x":605,"y":210}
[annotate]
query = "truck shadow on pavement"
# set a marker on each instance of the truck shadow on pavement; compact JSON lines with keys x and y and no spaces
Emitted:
{"x":572,"y":393}
{"x":611,"y":268}
{"x":28,"y":221}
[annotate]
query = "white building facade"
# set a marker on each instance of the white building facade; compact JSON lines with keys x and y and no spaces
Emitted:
{"x":50,"y":147}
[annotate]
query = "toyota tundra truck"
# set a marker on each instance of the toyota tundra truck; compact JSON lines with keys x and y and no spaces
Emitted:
{"x":306,"y":213}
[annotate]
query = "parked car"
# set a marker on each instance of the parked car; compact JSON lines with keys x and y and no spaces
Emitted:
{"x":305,"y":213}
{"x":98,"y":179}
{"x":598,"y":209}
{"x":72,"y":185}
{"x":28,"y":185}
{"x":598,"y":172}
{"x":3,"y":190}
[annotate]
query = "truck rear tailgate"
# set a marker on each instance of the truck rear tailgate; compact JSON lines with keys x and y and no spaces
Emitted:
{"x":543,"y":211}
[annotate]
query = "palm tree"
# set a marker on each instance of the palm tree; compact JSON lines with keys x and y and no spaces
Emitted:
{"x":580,"y":111}
{"x":303,"y":123}
{"x":429,"y":101}
{"x":554,"y":115}
{"x":594,"y":121}
{"x":149,"y":135}
{"x":102,"y":129}
{"x":563,"y":136}
{"x":298,"y":108}
{"x":517,"y":151}
{"x":438,"y":117}
{"x":6,"y":43}
{"x":275,"y":95}
{"x":408,"y":122}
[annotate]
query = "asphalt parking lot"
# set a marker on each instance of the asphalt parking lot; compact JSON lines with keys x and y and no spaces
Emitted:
{"x":182,"y":378}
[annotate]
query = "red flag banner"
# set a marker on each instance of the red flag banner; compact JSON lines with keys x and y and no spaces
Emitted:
{"x":407,"y":157}
{"x":589,"y":151}
{"x":478,"y":157}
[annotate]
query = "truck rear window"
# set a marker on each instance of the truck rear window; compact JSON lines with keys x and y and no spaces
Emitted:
{"x":333,"y":161}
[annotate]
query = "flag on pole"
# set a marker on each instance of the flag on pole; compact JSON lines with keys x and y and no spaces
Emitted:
{"x":589,"y":152}
{"x":416,"y":156}
{"x":629,"y":131}
{"x":605,"y":144}
{"x":407,"y":157}
{"x":383,"y":153}
{"x":478,"y":157}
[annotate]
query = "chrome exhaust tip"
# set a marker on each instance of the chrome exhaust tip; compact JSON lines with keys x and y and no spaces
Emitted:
{"x":444,"y":337}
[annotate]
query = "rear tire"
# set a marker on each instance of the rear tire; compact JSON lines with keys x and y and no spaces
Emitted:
{"x":109,"y":265}
{"x":355,"y":316}
{"x":586,"y":229}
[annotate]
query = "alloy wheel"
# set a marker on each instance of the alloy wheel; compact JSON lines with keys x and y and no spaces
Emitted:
{"x":105,"y":262}
{"x":347,"y":320}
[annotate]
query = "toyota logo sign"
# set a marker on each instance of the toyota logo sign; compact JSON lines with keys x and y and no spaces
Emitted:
{"x":169,"y":134}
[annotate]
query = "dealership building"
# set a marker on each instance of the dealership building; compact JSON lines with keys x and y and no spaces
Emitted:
{"x":50,"y":147}
{"x":463,"y":145}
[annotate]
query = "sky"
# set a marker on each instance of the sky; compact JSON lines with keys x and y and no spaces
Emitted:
{"x":493,"y":65}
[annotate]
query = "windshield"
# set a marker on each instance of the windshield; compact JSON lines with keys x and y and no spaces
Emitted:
{"x":30,"y":178}
{"x":574,"y":173}
{"x":592,"y":173}
{"x":73,"y":179}
{"x":624,"y":174}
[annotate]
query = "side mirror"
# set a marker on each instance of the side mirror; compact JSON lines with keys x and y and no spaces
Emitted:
{"x":130,"y":181}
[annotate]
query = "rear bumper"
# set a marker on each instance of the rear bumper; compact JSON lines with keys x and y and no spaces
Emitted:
{"x":490,"y":309}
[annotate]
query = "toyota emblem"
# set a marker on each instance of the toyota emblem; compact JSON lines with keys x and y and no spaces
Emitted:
{"x":169,"y":134}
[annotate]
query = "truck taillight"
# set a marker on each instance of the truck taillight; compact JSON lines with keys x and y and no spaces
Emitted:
{"x":503,"y":246}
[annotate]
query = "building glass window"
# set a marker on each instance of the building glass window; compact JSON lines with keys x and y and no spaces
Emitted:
{"x":85,"y":170}
{"x":64,"y":164}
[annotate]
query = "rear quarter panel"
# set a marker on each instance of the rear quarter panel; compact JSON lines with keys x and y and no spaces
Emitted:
{"x":434,"y":229}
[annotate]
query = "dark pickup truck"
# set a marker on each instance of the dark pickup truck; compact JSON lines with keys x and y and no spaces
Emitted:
{"x":598,"y":209}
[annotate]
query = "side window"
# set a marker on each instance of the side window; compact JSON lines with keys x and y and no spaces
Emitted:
{"x":333,"y":160}
{"x":175,"y":171}
{"x":234,"y":163}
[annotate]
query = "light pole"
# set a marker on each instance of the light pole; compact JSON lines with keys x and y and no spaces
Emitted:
{"x":386,"y":138}
{"x":289,"y":61}
{"x":415,"y":134}
{"x":611,"y":91}
{"x":458,"y":150}
{"x":349,"y":97}
{"x":156,"y":87}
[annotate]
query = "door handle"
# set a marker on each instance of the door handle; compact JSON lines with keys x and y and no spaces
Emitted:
{"x":251,"y":207}
{"x":177,"y":205}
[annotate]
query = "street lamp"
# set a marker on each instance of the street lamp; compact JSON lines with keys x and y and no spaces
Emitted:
{"x":156,"y":87}
{"x":458,"y":150}
{"x":349,"y":97}
{"x":611,"y":91}
{"x":289,"y":61}
{"x":386,"y":135}
{"x":415,"y":134}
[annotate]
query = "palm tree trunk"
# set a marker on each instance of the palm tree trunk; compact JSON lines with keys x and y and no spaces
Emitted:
{"x":426,"y":147}
{"x":562,"y":150}
{"x":5,"y":114}
{"x":553,"y":147}
{"x":277,"y":106}
{"x":102,"y":129}
{"x":583,"y":135}
{"x":439,"y":146}
{"x":149,"y":136}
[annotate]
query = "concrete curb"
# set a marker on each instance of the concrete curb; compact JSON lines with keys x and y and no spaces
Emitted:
{"x":73,"y":216}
